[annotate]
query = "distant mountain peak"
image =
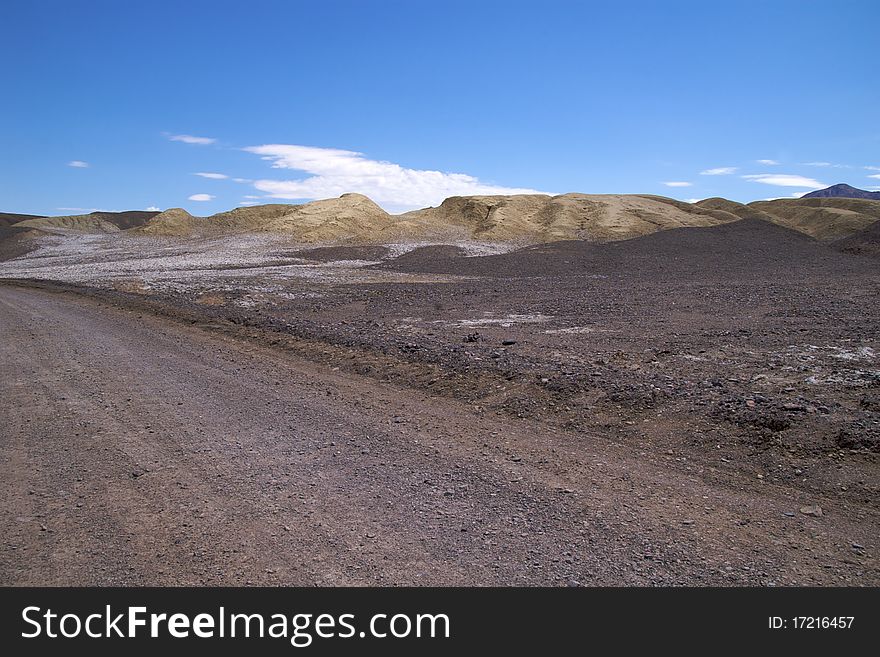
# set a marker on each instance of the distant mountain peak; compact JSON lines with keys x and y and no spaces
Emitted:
{"x":842,"y":190}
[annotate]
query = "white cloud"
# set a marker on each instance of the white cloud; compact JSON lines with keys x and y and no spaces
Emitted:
{"x":189,"y":139}
{"x":678,"y":183}
{"x":693,"y":200}
{"x":874,"y":175}
{"x":869,"y":168}
{"x":212,"y":176}
{"x":769,"y":163}
{"x":202,"y":197}
{"x":334,"y":172}
{"x":719,"y":171}
{"x":242,"y":180}
{"x":251,"y":196}
{"x":785,"y":180}
{"x":153,"y":208}
{"x":78,"y":164}
{"x":826,"y":164}
{"x":873,"y":188}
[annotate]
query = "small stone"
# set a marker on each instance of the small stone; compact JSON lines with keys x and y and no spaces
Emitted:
{"x":687,"y":522}
{"x":813,"y":510}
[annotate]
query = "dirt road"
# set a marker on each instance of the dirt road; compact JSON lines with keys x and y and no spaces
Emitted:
{"x":136,"y":450}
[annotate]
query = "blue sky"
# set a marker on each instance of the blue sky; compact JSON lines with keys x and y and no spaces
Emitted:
{"x":409,"y":102}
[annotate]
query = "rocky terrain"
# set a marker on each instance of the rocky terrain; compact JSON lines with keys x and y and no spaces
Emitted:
{"x":697,"y":403}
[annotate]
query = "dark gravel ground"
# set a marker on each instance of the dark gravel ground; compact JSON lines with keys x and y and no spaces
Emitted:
{"x":743,"y":357}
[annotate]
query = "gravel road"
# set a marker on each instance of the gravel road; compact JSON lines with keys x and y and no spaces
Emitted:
{"x":136,"y":450}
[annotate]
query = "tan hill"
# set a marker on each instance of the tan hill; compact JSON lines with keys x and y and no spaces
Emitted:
{"x":523,"y":218}
{"x":10,"y":218}
{"x":351,"y":217}
{"x":174,"y":221}
{"x":541,"y":218}
{"x":95,"y":222}
{"x":825,"y":219}
{"x":739,"y":209}
{"x":520,"y":219}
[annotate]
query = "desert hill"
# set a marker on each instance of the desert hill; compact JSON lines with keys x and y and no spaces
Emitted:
{"x":521,"y":218}
{"x":525,"y":219}
{"x":843,"y":191}
{"x":736,"y":250}
{"x":351,"y":217}
{"x":95,"y":222}
{"x":739,"y":209}
{"x":866,"y":242}
{"x":10,"y":218}
{"x":825,"y":219}
{"x":540,"y":218}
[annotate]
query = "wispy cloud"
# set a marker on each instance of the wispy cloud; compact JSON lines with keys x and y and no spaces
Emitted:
{"x":153,"y":208}
{"x":768,"y":163}
{"x":201,"y":197}
{"x":784,"y":198}
{"x":719,"y":171}
{"x":212,"y":176}
{"x":333,"y":172}
{"x":826,"y":164}
{"x":785,"y":180}
{"x":874,"y":175}
{"x":870,"y":168}
{"x":78,"y":164}
{"x":190,"y":139}
{"x":678,"y":183}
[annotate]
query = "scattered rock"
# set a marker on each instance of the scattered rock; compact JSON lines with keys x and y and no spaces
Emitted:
{"x":813,"y":510}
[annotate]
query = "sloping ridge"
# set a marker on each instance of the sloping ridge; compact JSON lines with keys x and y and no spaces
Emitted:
{"x":825,"y":219}
{"x":10,"y":218}
{"x":743,"y":250}
{"x":526,"y":219}
{"x":351,"y":217}
{"x":843,"y":190}
{"x":95,"y":222}
{"x":541,"y":218}
{"x":739,"y":209}
{"x":866,"y":242}
{"x":517,"y":219}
